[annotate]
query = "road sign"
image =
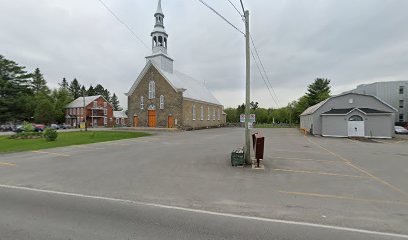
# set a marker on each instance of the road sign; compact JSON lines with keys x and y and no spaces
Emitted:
{"x":252,"y":118}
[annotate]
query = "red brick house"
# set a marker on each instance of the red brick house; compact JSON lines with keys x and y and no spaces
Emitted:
{"x":98,"y":111}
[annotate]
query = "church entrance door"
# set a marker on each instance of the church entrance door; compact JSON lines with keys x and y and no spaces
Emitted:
{"x":135,"y":121}
{"x":170,"y":123}
{"x":152,"y":118}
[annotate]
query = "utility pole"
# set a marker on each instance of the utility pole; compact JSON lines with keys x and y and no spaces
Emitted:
{"x":84,"y":112}
{"x":248,"y":92}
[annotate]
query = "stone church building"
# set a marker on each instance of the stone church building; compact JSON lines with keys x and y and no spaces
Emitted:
{"x":165,"y":98}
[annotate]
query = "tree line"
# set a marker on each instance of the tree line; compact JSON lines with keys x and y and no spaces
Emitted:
{"x":25,"y":96}
{"x":316,"y":92}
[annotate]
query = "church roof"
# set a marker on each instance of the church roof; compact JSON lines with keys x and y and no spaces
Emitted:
{"x":192,"y":89}
{"x":195,"y":90}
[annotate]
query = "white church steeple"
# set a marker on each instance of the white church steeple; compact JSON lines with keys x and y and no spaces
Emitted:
{"x":160,"y":42}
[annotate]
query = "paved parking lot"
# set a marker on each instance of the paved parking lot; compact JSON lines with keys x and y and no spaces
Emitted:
{"x":342,"y":182}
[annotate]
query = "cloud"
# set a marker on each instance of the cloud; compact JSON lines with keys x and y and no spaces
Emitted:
{"x":347,"y":41}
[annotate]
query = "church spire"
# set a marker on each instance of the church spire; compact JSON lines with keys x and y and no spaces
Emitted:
{"x":159,"y":35}
{"x":159,"y":8}
{"x":159,"y":42}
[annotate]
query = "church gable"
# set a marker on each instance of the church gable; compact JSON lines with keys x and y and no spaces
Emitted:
{"x":153,"y":92}
{"x":146,"y":71}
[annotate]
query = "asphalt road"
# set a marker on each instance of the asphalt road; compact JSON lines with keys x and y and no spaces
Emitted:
{"x":27,"y":214}
{"x":334,"y":182}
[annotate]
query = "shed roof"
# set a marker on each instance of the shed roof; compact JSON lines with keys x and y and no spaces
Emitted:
{"x":312,"y":109}
{"x":119,"y":114}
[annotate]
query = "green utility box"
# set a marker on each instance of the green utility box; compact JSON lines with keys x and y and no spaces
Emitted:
{"x":237,"y":157}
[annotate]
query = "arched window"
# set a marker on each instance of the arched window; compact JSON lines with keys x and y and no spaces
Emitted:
{"x":160,"y":41}
{"x":165,"y":42}
{"x":219,"y":115}
{"x":209,"y":114}
{"x":154,"y":41}
{"x":213,"y":114}
{"x":194,"y":113}
{"x":355,"y":118}
{"x":202,"y":113}
{"x":152,"y":90}
{"x":141,"y":102}
{"x":161,"y":102}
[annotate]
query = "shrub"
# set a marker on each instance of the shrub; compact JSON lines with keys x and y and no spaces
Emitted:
{"x":28,"y":127}
{"x":50,"y":134}
{"x":26,"y":135}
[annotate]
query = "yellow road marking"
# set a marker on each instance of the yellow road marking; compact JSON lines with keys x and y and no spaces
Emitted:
{"x":318,"y":173}
{"x":50,"y":153}
{"x":7,"y":164}
{"x":348,"y":162}
{"x":305,"y":159}
{"x":382,"y":141}
{"x":343,"y":197}
{"x":351,"y":140}
{"x":292,"y":151}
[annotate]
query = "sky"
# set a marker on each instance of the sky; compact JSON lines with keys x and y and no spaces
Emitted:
{"x":350,"y":42}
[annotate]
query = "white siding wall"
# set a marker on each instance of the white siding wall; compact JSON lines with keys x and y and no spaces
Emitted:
{"x":359,"y":101}
{"x":334,"y":126}
{"x":379,"y":126}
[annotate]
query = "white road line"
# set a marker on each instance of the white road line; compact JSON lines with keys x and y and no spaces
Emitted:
{"x":270,"y":220}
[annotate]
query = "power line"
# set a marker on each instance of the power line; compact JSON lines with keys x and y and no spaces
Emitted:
{"x":260,"y":72}
{"x":212,"y":9}
{"x":124,"y":24}
{"x":263,"y":67}
{"x":233,"y":5}
{"x":242,"y":5}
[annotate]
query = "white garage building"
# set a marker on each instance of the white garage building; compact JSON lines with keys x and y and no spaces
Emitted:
{"x":350,"y":115}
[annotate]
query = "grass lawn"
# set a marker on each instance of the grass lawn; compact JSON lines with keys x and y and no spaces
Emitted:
{"x":65,"y":139}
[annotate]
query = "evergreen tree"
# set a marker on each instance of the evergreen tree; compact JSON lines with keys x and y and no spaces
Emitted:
{"x":64,"y":84}
{"x":15,"y":92}
{"x":38,"y":83}
{"x":106,"y":95}
{"x":99,"y":89}
{"x":91,"y":91}
{"x":83,"y":91}
{"x":241,"y":109}
{"x":115,"y":103}
{"x":75,"y":89}
{"x":318,"y":91}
